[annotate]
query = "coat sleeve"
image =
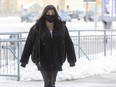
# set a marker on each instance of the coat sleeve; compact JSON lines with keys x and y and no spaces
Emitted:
{"x":70,"y":51}
{"x":28,"y":47}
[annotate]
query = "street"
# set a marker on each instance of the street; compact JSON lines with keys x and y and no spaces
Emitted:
{"x":25,"y":26}
{"x":105,"y":80}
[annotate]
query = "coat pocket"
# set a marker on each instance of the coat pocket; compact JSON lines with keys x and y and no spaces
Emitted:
{"x":35,"y":56}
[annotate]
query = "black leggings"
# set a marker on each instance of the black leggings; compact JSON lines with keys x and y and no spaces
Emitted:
{"x":49,"y":78}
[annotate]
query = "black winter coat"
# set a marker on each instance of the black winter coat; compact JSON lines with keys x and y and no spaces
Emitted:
{"x":53,"y":49}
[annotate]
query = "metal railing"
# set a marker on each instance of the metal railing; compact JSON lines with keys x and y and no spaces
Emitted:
{"x":94,"y":43}
{"x":10,"y":52}
{"x":88,"y":44}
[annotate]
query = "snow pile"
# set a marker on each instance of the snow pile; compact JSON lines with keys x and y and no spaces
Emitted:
{"x":83,"y":69}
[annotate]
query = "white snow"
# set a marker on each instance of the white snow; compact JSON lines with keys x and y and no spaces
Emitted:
{"x":84,"y":68}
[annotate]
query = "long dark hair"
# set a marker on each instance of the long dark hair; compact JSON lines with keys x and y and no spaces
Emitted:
{"x":42,"y":19}
{"x":49,"y":7}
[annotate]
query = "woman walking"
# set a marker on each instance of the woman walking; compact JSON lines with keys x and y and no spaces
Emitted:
{"x":49,"y":44}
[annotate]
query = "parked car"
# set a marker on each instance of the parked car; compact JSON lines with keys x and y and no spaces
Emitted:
{"x":73,"y":14}
{"x":65,"y":16}
{"x":80,"y":15}
{"x":89,"y":16}
{"x":76,"y":14}
{"x":29,"y":17}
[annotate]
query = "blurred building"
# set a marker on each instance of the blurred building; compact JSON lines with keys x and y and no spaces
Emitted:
{"x":8,"y":6}
{"x":15,"y":6}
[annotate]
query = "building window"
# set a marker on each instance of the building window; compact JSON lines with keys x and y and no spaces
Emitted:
{"x":57,"y":7}
{"x":89,"y":0}
{"x":67,"y":7}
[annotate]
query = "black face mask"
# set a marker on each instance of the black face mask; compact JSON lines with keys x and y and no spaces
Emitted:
{"x":50,"y":18}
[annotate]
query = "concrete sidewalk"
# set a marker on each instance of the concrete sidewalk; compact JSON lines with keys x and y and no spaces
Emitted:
{"x":105,"y":80}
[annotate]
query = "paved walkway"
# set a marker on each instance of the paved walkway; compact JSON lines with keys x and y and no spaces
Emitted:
{"x":106,"y":80}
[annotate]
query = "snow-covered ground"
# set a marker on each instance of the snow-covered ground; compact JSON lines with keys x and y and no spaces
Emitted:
{"x":84,"y":68}
{"x":105,"y":80}
{"x":94,"y":73}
